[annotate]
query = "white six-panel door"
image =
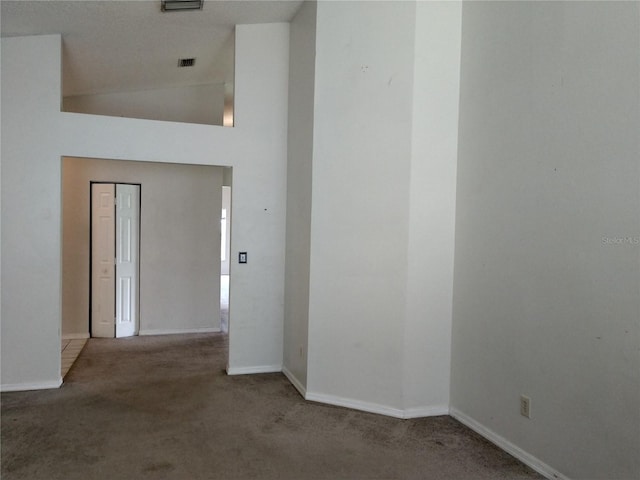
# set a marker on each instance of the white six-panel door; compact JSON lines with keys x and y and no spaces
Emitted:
{"x":127,"y":215}
{"x":114,"y":259}
{"x":102,"y":260}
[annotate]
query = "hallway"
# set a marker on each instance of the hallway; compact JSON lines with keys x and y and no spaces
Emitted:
{"x":163,"y":407}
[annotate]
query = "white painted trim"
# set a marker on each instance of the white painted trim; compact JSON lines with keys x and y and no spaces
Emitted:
{"x":256,"y":369}
{"x":427,"y":411}
{"x":294,"y":381}
{"x":416,"y":412}
{"x":525,"y":457}
{"x":75,"y":336}
{"x":22,"y":387}
{"x":354,"y":404}
{"x":178,"y":331}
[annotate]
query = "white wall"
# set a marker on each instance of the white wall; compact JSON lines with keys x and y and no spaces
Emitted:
{"x":259,"y":197}
{"x":548,"y":171}
{"x":382,"y":203}
{"x":299,"y":170}
{"x":359,"y":225}
{"x":432,"y":187}
{"x":30,"y":212}
{"x":192,"y":104}
{"x":36,"y":135}
{"x":179,"y":243}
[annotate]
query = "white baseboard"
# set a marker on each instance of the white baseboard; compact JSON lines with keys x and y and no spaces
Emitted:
{"x":354,"y":404}
{"x":294,"y":381}
{"x":429,"y":411}
{"x":75,"y":336}
{"x":526,"y":458}
{"x":178,"y":331}
{"x":256,"y":369}
{"x":416,"y":412}
{"x":22,"y":387}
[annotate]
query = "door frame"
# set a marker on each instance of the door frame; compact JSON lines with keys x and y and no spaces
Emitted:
{"x":139,"y":185}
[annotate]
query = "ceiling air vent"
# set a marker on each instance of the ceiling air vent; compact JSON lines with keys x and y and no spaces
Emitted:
{"x":186,"y":62}
{"x":181,"y":5}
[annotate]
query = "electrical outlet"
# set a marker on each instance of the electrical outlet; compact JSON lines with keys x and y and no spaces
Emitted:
{"x":525,"y":406}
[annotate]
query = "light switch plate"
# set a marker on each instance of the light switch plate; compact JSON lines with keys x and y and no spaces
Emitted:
{"x":242,"y":257}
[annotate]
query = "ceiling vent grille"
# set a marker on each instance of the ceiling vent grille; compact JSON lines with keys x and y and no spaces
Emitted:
{"x":186,"y":62}
{"x":181,"y":5}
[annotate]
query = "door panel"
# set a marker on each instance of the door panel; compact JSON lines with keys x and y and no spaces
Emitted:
{"x":127,"y":215}
{"x":102,"y":261}
{"x":124,"y":314}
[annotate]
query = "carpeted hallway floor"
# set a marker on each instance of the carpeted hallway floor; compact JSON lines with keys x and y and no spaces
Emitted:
{"x":163,"y":408}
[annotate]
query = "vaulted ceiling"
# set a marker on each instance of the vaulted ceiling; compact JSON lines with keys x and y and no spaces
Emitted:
{"x":115,"y":46}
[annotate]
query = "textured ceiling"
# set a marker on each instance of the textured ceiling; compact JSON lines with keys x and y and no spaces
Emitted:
{"x":114,"y":45}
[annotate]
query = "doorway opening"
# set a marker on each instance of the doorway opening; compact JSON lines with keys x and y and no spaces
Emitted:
{"x":179,"y":253}
{"x":115,"y":252}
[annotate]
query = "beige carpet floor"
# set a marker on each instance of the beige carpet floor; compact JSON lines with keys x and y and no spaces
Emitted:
{"x":163,"y":408}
